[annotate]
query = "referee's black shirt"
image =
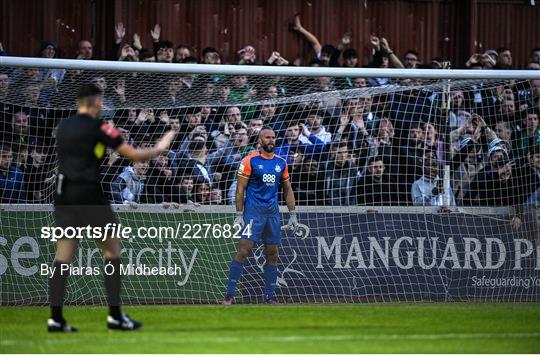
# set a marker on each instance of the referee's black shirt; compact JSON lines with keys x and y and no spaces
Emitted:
{"x":81,"y":144}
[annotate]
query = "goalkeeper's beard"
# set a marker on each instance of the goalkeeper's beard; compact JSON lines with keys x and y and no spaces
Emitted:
{"x":268,"y":148}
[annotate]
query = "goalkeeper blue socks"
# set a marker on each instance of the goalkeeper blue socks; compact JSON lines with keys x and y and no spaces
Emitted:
{"x":270,"y":280}
{"x":234,"y":276}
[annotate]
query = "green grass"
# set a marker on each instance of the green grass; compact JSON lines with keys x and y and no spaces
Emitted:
{"x":396,"y":328}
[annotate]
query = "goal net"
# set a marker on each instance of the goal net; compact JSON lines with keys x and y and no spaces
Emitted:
{"x":417,"y":189}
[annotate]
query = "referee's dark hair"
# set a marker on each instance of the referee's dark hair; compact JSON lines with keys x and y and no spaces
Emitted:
{"x":88,"y":93}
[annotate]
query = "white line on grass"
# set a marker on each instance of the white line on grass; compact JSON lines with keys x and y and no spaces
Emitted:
{"x":294,"y":338}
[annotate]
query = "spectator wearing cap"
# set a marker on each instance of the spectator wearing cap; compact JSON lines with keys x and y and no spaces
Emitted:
{"x":12,"y":189}
{"x":467,"y":162}
{"x":507,"y":145}
{"x":468,"y":143}
{"x":48,"y":78}
{"x":493,"y":54}
{"x":501,"y":183}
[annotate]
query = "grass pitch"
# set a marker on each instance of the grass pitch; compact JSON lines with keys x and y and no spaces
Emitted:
{"x":373,"y":328}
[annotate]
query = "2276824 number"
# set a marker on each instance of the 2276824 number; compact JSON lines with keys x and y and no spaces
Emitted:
{"x":208,"y":230}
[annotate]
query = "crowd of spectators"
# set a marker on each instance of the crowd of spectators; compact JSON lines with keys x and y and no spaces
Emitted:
{"x":382,"y":142}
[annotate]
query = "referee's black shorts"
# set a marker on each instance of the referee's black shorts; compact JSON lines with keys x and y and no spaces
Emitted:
{"x":81,"y":205}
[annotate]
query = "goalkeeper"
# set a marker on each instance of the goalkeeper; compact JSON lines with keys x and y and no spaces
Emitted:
{"x":80,"y":202}
{"x":259,"y":177}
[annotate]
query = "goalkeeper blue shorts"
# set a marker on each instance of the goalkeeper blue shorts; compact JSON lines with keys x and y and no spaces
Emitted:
{"x":261,"y":226}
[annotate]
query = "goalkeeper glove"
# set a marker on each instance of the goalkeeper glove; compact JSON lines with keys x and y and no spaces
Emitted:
{"x":292,"y":224}
{"x":239,"y":219}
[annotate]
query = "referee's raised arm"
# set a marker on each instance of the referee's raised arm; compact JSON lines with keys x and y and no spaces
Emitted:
{"x":139,"y":154}
{"x":90,"y":102}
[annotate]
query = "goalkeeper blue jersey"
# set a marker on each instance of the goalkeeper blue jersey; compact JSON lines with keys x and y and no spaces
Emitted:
{"x":265,"y":176}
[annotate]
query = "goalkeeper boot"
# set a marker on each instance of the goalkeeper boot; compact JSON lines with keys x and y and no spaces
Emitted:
{"x":125,"y":323}
{"x":227,"y":301}
{"x":271,"y":301}
{"x":63,"y":326}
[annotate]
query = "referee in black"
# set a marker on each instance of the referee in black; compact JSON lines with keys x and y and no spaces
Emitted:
{"x":79,"y":200}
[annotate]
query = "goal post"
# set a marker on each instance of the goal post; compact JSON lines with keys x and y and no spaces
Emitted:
{"x":424,"y":188}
